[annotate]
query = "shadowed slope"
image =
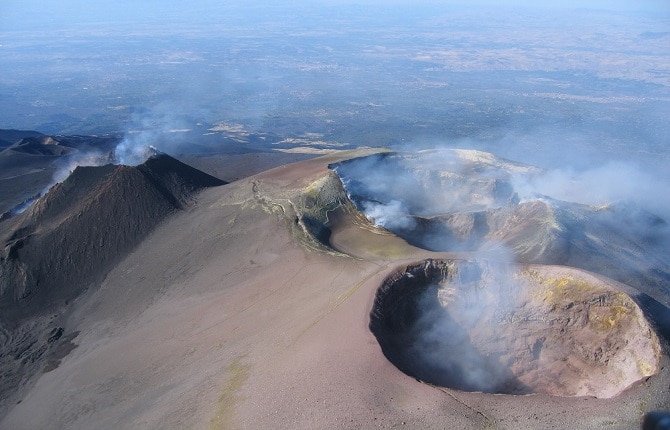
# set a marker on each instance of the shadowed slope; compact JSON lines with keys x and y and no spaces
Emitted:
{"x":70,"y":237}
{"x":175,"y":180}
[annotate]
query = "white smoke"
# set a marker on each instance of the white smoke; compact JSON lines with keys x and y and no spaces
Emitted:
{"x":66,"y":166}
{"x":134,"y":149}
{"x":609,"y":183}
{"x":613,"y":218}
{"x":391,"y":215}
{"x":160,"y":128}
{"x":450,"y":338}
{"x":390,"y":191}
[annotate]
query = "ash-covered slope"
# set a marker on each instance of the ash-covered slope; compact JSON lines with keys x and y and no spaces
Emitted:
{"x":73,"y":234}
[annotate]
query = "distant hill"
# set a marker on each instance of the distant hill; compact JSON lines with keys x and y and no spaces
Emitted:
{"x":61,"y":145}
{"x":42,"y":145}
{"x":73,"y":234}
{"x":10,"y":137}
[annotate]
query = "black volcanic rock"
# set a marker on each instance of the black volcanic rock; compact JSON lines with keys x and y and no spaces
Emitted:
{"x":70,"y":237}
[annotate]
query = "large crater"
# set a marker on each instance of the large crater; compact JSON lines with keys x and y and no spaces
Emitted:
{"x":475,"y":325}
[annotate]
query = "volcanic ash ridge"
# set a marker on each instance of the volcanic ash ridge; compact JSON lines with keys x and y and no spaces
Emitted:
{"x":69,"y":238}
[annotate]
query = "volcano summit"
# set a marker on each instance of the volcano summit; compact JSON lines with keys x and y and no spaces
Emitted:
{"x":273,"y":301}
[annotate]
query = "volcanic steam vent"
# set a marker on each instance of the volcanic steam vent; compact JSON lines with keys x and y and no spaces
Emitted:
{"x":475,"y":325}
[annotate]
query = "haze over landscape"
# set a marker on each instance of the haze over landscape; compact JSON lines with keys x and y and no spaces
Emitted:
{"x":334,"y":214}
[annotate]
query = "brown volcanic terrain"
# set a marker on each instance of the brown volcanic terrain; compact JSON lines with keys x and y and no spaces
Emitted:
{"x":250,"y":309}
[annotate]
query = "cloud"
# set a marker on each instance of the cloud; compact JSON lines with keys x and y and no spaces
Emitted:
{"x":609,"y":183}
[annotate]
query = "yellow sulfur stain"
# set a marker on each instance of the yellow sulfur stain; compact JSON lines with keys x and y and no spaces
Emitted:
{"x":645,"y":368}
{"x":239,"y":373}
{"x":611,"y":319}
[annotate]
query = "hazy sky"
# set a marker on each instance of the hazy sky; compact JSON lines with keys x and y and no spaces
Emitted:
{"x":26,"y":14}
